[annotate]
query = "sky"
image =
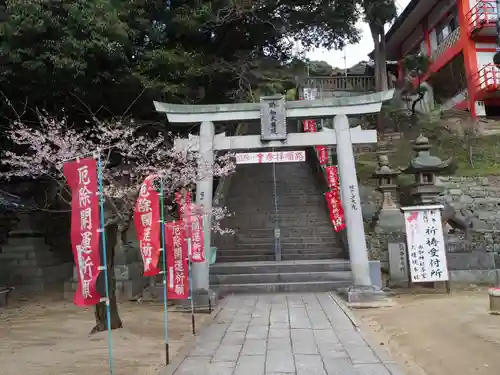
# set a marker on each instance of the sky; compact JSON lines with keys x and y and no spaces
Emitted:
{"x":354,"y":52}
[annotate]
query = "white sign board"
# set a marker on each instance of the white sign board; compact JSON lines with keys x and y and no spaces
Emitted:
{"x":426,"y":247}
{"x":270,"y":157}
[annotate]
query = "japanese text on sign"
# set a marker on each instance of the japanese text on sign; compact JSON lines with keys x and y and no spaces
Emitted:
{"x":193,"y":222}
{"x":426,"y":248}
{"x":82,"y":180}
{"x":148,"y":226}
{"x":273,"y":118}
{"x":177,"y":257}
{"x":270,"y":157}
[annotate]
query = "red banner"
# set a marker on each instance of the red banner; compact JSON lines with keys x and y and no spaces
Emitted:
{"x":332,"y":176}
{"x":312,"y":126}
{"x":82,"y":180}
{"x":336,"y":210}
{"x":183,"y":199}
{"x":177,"y":260}
{"x":322,"y":154}
{"x":194,"y":223}
{"x":148,"y":226}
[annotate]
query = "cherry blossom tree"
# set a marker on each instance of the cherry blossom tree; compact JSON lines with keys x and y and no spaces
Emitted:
{"x":129,"y":153}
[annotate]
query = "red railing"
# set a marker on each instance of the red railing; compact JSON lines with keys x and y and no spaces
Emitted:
{"x":487,"y":79}
{"x":483,"y":14}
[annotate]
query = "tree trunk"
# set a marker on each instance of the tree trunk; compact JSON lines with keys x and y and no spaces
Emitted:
{"x":379,"y":57}
{"x":383,"y":61}
{"x":100,"y":309}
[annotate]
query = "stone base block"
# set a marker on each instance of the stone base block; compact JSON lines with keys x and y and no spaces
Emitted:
{"x":363,"y":294}
{"x":494,"y":294}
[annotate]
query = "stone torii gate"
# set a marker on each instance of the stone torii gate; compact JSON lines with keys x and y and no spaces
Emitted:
{"x":273,"y":113}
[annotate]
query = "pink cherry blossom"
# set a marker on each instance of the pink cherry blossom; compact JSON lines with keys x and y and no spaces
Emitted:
{"x":128,"y":155}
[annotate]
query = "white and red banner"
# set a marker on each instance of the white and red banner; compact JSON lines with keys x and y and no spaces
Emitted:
{"x":82,"y":180}
{"x":332,"y":176}
{"x":148,"y":226}
{"x":177,"y":260}
{"x":183,"y":199}
{"x":333,"y":198}
{"x":194,"y":225}
{"x":336,"y":210}
{"x":270,"y":157}
{"x":322,"y":152}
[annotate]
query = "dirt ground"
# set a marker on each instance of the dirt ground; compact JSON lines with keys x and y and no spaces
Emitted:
{"x":439,"y":334}
{"x":48,"y":336}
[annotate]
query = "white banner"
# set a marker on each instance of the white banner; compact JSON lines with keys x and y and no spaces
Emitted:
{"x":426,"y":247}
{"x":270,"y":157}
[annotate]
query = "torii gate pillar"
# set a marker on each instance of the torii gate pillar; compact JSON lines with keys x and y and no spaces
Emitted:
{"x":204,"y":192}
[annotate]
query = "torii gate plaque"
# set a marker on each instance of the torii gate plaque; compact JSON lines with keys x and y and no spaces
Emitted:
{"x":273,"y":112}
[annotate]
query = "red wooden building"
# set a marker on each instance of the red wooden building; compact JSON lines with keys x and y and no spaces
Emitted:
{"x":460,"y":38}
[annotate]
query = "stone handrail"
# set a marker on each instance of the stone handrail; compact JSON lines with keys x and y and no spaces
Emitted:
{"x":222,"y":189}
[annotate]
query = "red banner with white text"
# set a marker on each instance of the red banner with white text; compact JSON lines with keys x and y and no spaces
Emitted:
{"x":336,"y":210}
{"x":148,"y":226}
{"x":322,"y":152}
{"x":183,"y":200}
{"x":82,"y":180}
{"x":177,"y":260}
{"x":194,"y":221}
{"x":332,"y":176}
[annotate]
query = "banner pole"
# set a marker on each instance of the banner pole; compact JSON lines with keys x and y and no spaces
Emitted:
{"x":164,"y":271}
{"x":190,"y":268}
{"x":105,"y":263}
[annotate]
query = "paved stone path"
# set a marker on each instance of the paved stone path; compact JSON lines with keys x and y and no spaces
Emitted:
{"x":304,"y":334}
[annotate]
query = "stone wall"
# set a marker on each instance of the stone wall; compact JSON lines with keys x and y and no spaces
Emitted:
{"x":478,"y":196}
{"x":469,"y":261}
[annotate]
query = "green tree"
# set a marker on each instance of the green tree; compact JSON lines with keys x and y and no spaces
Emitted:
{"x":377,"y":14}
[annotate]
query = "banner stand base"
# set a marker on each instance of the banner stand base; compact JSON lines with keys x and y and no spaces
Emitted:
{"x":204,"y":302}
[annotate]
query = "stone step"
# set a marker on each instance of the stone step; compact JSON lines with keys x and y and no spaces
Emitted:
{"x":334,"y":265}
{"x":296,"y":287}
{"x":266,"y":191}
{"x":275,"y":277}
{"x":263,"y":222}
{"x":288,"y":246}
{"x":327,"y":251}
{"x":23,"y":275}
{"x":243,"y":240}
{"x":31,"y":262}
{"x":287,"y":231}
{"x":12,"y":255}
{"x":245,"y":258}
{"x":308,"y":256}
{"x":25,"y":243}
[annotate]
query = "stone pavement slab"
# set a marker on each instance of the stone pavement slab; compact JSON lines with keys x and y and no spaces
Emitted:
{"x":278,"y":334}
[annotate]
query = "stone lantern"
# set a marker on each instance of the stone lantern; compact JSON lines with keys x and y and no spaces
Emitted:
{"x":424,"y":167}
{"x":386,"y":183}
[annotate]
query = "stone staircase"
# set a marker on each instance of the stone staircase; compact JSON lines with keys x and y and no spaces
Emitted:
{"x":311,"y":253}
{"x":305,"y":229}
{"x":284,"y":276}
